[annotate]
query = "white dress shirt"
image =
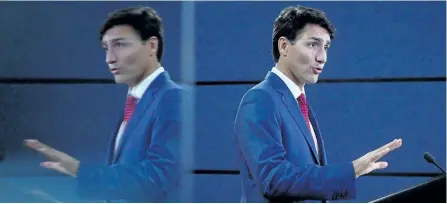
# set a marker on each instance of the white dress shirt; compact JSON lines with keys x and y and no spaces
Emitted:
{"x":296,"y":91}
{"x":137,"y":92}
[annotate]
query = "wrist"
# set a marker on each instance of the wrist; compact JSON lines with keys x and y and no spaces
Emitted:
{"x":74,"y":168}
{"x":356,"y":169}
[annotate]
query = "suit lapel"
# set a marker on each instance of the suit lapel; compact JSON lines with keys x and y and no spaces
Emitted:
{"x":111,"y":147}
{"x":322,"y":153}
{"x":143,"y":104}
{"x":293,"y":107}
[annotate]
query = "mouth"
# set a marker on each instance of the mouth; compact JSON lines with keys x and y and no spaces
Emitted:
{"x":317,"y":70}
{"x":115,"y":71}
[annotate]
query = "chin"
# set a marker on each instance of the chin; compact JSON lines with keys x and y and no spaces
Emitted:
{"x":312,"y":80}
{"x":121,"y":80}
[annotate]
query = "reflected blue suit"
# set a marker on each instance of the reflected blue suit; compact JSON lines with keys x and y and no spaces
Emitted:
{"x":146,"y":165}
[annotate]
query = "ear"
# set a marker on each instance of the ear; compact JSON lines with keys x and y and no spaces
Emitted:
{"x":283,"y":46}
{"x":152,"y":45}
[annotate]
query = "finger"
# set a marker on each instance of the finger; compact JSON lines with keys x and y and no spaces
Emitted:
{"x":55,"y":166}
{"x":51,"y":154}
{"x":44,"y":149}
{"x":52,"y":165}
{"x":35,"y":144}
{"x":397,"y":144}
{"x":48,"y":165}
{"x":390,"y":145}
{"x":387,"y":145}
{"x":379,"y":155}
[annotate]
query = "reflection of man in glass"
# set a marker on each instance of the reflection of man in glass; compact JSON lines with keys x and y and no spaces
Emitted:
{"x":142,"y":158}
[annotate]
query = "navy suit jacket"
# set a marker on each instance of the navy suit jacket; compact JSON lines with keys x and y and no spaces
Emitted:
{"x":279,"y":162}
{"x":145,"y":167}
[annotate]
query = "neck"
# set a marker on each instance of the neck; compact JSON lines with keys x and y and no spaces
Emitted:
{"x":148,"y":71}
{"x":286,"y":71}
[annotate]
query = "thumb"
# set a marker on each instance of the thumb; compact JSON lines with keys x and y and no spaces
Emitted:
{"x":54,"y":166}
{"x":380,"y":165}
{"x":57,"y":166}
{"x":49,"y":165}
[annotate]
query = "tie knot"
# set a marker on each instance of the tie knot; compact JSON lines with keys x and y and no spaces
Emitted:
{"x":131,"y":100}
{"x":130,"y":107}
{"x":302,"y":99}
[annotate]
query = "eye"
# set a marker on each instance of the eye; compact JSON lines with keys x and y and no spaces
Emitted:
{"x":313,"y":45}
{"x":120,"y":44}
{"x":104,"y":46}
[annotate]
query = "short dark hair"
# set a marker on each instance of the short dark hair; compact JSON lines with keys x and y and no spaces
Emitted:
{"x":144,"y":20}
{"x":292,"y":20}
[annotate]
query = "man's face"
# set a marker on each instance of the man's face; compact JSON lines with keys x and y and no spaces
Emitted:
{"x":307,"y":56}
{"x":126,"y":54}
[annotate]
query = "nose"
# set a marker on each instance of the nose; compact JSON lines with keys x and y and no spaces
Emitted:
{"x":110,"y":57}
{"x":321,"y":57}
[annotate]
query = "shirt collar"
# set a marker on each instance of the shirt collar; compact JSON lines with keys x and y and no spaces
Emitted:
{"x":296,"y":91}
{"x":138,"y":90}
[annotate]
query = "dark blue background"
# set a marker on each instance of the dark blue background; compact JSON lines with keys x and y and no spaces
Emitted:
{"x":59,"y":40}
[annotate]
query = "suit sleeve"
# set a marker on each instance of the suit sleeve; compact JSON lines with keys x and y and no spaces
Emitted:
{"x":258,"y":134}
{"x":150,"y":179}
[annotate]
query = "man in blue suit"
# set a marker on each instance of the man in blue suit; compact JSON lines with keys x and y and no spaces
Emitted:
{"x":282,"y":150}
{"x":142,"y":161}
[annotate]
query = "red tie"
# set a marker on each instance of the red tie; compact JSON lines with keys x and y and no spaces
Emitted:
{"x":130,"y":107}
{"x":303,"y":106}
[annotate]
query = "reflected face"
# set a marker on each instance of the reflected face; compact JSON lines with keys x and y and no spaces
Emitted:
{"x":127,"y":56}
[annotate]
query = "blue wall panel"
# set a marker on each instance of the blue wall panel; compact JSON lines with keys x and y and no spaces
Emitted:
{"x":357,"y":118}
{"x":374,"y":39}
{"x":54,"y":40}
{"x":216,"y":108}
{"x":61,"y":39}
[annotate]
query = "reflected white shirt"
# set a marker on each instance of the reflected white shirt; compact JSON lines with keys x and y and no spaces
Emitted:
{"x":137,"y":92}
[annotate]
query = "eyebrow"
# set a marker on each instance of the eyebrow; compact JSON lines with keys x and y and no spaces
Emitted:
{"x":320,"y":40}
{"x":113,"y":40}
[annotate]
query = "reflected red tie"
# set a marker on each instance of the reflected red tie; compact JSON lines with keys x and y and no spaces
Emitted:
{"x":130,"y":107}
{"x":303,"y":106}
